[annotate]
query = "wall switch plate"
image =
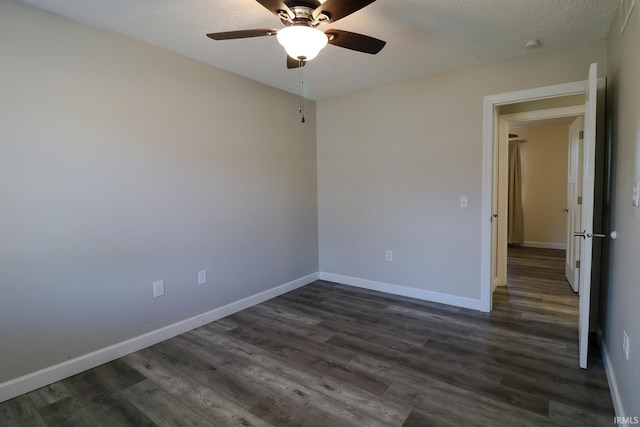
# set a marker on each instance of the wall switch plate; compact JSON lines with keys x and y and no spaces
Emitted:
{"x":389,"y":255}
{"x":625,"y":343}
{"x":636,"y":194}
{"x":158,"y":288}
{"x":463,"y":201}
{"x":202,"y":277}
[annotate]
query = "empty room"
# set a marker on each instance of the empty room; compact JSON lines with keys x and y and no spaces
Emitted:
{"x":319,"y":213}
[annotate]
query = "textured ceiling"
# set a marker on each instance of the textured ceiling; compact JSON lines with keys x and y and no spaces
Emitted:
{"x":424,"y":37}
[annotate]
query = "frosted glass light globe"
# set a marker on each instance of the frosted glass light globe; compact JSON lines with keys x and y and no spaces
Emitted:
{"x":302,"y":42}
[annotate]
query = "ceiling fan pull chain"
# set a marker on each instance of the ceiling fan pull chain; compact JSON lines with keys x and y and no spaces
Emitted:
{"x":301,"y":86}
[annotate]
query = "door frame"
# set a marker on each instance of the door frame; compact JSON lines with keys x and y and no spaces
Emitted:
{"x":489,"y":150}
{"x":502,"y":149}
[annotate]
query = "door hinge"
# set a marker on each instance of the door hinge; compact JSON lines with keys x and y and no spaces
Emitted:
{"x":578,"y":264}
{"x":581,"y":136}
{"x":579,"y":200}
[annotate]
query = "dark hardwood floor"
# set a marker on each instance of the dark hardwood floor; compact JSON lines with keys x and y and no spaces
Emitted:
{"x":333,"y":355}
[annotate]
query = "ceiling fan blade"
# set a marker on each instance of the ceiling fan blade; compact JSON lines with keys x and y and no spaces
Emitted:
{"x":294,"y":63}
{"x":338,"y":9}
{"x":355,"y":41}
{"x":276,"y":6}
{"x":243,"y":34}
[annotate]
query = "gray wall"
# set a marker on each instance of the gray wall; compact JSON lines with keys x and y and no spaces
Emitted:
{"x":122,"y":164}
{"x":620,"y":301}
{"x":394,"y":161}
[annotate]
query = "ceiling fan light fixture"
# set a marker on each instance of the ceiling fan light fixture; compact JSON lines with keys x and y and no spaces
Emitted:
{"x":302,"y":42}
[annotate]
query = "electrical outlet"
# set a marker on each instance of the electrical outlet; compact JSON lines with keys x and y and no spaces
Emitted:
{"x":625,"y":343}
{"x":389,"y":255}
{"x":463,"y":201}
{"x":202,"y":277}
{"x":636,"y":194}
{"x":158,"y":288}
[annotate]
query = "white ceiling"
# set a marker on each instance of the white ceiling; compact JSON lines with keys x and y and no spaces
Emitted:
{"x":424,"y":37}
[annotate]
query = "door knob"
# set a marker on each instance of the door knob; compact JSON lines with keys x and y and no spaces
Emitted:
{"x":584,"y":234}
{"x":565,"y":210}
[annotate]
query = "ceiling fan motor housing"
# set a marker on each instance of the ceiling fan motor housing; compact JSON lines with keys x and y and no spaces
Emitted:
{"x":302,"y":15}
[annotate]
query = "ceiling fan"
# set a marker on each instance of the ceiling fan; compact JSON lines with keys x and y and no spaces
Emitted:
{"x":301,"y":38}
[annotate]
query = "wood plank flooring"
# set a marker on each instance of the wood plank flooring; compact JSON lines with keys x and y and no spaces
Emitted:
{"x":333,"y":355}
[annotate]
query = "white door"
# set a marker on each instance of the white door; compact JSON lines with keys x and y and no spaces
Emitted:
{"x":574,"y":192}
{"x":586,"y":240}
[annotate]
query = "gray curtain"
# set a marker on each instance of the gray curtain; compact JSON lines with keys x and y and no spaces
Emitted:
{"x":515,"y":233}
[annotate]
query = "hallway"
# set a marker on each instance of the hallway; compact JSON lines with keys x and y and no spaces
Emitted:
{"x":540,"y":304}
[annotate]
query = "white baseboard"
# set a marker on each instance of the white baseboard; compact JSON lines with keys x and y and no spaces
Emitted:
{"x":457,"y":301}
{"x":611,"y":378}
{"x":545,"y":245}
{"x":43,"y":377}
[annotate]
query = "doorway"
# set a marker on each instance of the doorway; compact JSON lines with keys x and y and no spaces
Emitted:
{"x":539,"y":158}
{"x":494,"y":207}
{"x":544,"y":174}
{"x":491,"y":163}
{"x":543,"y":179}
{"x":500,"y":201}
